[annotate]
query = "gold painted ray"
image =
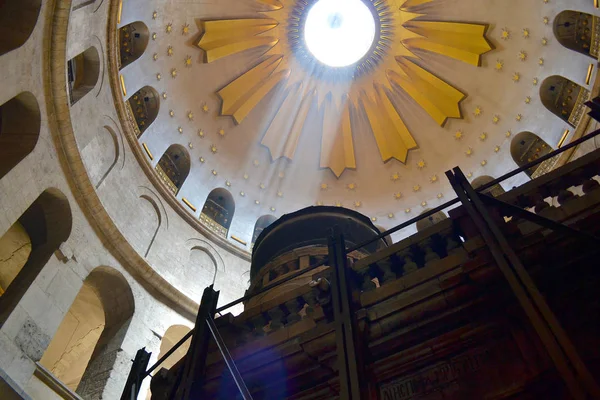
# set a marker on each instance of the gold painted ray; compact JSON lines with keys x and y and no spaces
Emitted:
{"x":391,"y":134}
{"x":337,"y":147}
{"x":414,"y":3}
{"x":271,"y":5}
{"x":438,"y":98}
{"x":244,"y":93}
{"x":223,"y":38}
{"x":464,"y":42}
{"x":284,"y":131}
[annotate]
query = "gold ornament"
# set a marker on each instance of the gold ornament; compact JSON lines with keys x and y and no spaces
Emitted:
{"x":516,"y":77}
{"x":188,"y":61}
{"x":262,"y":186}
{"x":397,"y":196}
{"x":169,"y":27}
{"x":469,"y":151}
{"x":483,"y":136}
{"x":433,"y":179}
{"x":522,"y":55}
{"x":155,"y":15}
{"x":357,"y":204}
{"x":170,"y":51}
{"x":496,"y":119}
{"x":185,"y":29}
{"x":200,"y":133}
{"x":213,"y":149}
{"x":351,"y":186}
{"x":416,"y":188}
{"x":324,"y":186}
{"x":174,"y":73}
{"x":478,"y":111}
{"x":499,"y":65}
{"x":395,"y":176}
{"x":458,"y":135}
{"x":505,"y":35}
{"x":527,"y":100}
{"x":421,"y":164}
{"x":526,"y":33}
{"x":280,"y":194}
{"x":190,"y":115}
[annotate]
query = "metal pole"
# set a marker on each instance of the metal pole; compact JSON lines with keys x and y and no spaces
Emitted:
{"x":552,"y":322}
{"x":542,"y":330}
{"x":347,"y":356}
{"x":235,"y":373}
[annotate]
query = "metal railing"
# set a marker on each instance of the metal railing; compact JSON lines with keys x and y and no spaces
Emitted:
{"x":380,"y":236}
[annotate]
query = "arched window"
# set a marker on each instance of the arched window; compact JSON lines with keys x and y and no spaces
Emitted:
{"x":174,"y":167}
{"x":83,"y":72}
{"x":17,"y":20}
{"x":431,"y":220}
{"x":575,"y":30}
{"x":564,"y":98}
{"x":19,"y":130}
{"x":494,"y":191}
{"x":133,"y":40}
{"x":260,"y":225}
{"x":218,"y":211}
{"x":144,"y":104}
{"x":38,"y":233}
{"x":527,"y":147}
{"x":85,"y":347}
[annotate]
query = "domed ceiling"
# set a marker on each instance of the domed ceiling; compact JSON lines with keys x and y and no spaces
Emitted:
{"x":439,"y":83}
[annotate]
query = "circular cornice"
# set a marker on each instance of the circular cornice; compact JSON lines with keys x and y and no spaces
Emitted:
{"x":61,"y":128}
{"x":167,"y":195}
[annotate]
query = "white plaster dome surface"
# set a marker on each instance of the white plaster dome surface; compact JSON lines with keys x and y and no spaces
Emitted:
{"x":339,"y":33}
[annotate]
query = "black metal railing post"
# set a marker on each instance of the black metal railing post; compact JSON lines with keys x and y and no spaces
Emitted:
{"x":135,"y":378}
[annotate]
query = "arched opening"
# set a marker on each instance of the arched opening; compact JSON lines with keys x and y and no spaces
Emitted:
{"x":173,"y":335}
{"x":83,"y":72}
{"x":261,"y":223}
{"x":19,"y":130}
{"x":17,"y":20}
{"x":564,"y":98}
{"x":527,"y":147}
{"x":84,"y":349}
{"x":38,"y":233}
{"x":174,"y":167}
{"x":431,"y":220}
{"x":133,"y":40}
{"x":493,"y":191}
{"x":575,"y":30}
{"x":218,"y":211}
{"x":144,"y":105}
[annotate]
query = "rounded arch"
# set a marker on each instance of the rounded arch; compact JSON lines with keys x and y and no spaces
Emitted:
{"x":218,"y":211}
{"x":90,"y":336}
{"x":174,"y":167}
{"x":145,"y":104}
{"x":496,"y":190}
{"x":527,"y":147}
{"x":133,"y":40}
{"x":17,"y":21}
{"x":20,"y":121}
{"x":563,"y":98}
{"x":431,"y":220}
{"x":262,"y":223}
{"x":574,"y":29}
{"x":47,"y":222}
{"x":83,"y":72}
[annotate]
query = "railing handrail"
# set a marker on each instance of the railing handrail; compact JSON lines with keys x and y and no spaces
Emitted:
{"x":381,"y":236}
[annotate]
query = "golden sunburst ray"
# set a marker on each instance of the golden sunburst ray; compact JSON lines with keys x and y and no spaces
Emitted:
{"x":290,"y":118}
{"x":337,"y":146}
{"x":223,"y":38}
{"x":390,"y":65}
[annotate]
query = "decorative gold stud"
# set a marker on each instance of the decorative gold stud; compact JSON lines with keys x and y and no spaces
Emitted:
{"x":170,"y":51}
{"x":374,"y":219}
{"x":496,"y":148}
{"x":395,"y":176}
{"x":351,"y":186}
{"x":190,"y":115}
{"x":416,"y":188}
{"x":535,"y":81}
{"x":407,"y":210}
{"x":201,"y":133}
{"x":262,"y":186}
{"x":185,"y":29}
{"x":227,"y":183}
{"x":202,"y":160}
{"x":505,"y":35}
{"x":544,"y":41}
{"x":391,"y":215}
{"x":190,"y":145}
{"x":526,"y":33}
{"x":483,"y":136}
{"x":242,"y":194}
{"x":397,"y":195}
{"x":546,"y":20}
{"x":324,"y":186}
{"x":338,"y":203}
{"x":433,"y":179}
{"x":221,"y":132}
{"x":158,"y":77}
{"x":357,"y":204}
{"x":180,"y":129}
{"x":541,"y":61}
{"x":483,"y":163}
{"x":522,"y":55}
{"x":257,"y":202}
{"x":155,"y":15}
{"x":188,"y":61}
{"x":164,"y":95}
{"x":246,"y":176}
{"x":527,"y":100}
{"x":421,"y":164}
{"x":169,"y":27}
{"x":496,"y":119}
{"x":319,"y":203}
{"x":478,"y":111}
{"x":519,"y":117}
{"x":469,"y":175}
{"x":214,"y":172}
{"x":499,"y":65}
{"x":272,"y":209}
{"x":174,"y":73}
{"x":280,"y":194}
{"x":469,"y":151}
{"x":171,"y":113}
{"x":256,"y":163}
{"x":154,"y":36}
{"x":213,"y":149}
{"x":516,"y":77}
{"x":440,"y":195}
{"x":205,"y":108}
{"x":155,"y":56}
{"x":508,"y":133}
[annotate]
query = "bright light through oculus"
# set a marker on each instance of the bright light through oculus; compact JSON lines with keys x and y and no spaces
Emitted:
{"x":338,"y":33}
